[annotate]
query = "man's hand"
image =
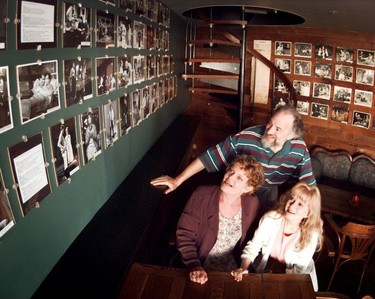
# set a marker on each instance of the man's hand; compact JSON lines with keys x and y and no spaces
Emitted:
{"x":238,"y":273}
{"x":198,"y":275}
{"x":167,"y":181}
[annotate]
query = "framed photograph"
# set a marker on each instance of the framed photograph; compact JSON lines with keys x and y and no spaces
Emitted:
{"x":340,"y":114}
{"x":361,"y":119}
{"x":283,"y":48}
{"x":37,"y":24}
{"x":124,"y":71}
{"x":139,"y":35}
{"x":106,"y":80}
{"x":78,"y":82}
{"x":151,"y":10}
{"x":303,"y":107}
{"x":158,"y":39}
{"x":139,"y":66}
{"x":154,"y":99}
{"x":38,"y":89}
{"x":136,"y":116}
{"x":302,"y":50}
{"x":319,"y":110}
{"x":29,"y":172}
{"x":279,"y":101}
{"x":302,"y":87}
{"x":365,"y":57}
{"x":165,"y":65}
{"x":139,"y":7}
{"x":90,"y":134}
{"x":344,"y":55}
{"x":166,"y":90}
{"x":160,"y":16}
{"x":363,"y":98}
{"x":302,"y":67}
{"x":323,"y":70}
{"x":161,"y":93}
{"x":3,"y":25}
{"x":105,"y":27}
{"x":64,"y":149}
{"x":6,"y":215}
{"x":344,"y":73}
{"x":165,"y":45}
{"x":145,"y":103}
{"x":6,"y":118}
{"x":321,"y":91}
{"x":150,"y":38}
{"x":279,"y":86}
{"x":76,"y":26}
{"x":323,"y":52}
{"x":342,"y":94}
{"x":125,"y":113}
{"x":126,"y":4}
{"x":150,"y":69}
{"x":124,"y":32}
{"x":159,"y":70}
{"x":283,"y":64}
{"x":111,"y":121}
{"x":166,"y":16}
{"x":364,"y":76}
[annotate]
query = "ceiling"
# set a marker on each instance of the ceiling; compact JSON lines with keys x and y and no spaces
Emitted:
{"x":347,"y":15}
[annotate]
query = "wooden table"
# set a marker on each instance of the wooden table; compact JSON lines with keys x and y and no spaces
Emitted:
{"x":337,"y":202}
{"x":156,"y":282}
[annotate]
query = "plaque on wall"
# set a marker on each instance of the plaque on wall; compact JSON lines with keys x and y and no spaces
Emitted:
{"x":77,"y":78}
{"x":38,"y":89}
{"x":3,"y":26}
{"x":76,"y":24}
{"x":6,"y":214}
{"x":6,"y":118}
{"x":110,"y":122}
{"x":64,"y":148}
{"x":37,"y":24}
{"x":29,"y":172}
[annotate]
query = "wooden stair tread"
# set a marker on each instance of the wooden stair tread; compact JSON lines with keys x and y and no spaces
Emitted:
{"x":211,"y":42}
{"x":229,"y":60}
{"x":229,"y":22}
{"x":211,"y":76}
{"x":212,"y":90}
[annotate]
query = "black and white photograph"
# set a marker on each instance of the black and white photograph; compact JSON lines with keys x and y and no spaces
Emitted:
{"x":77,"y":80}
{"x":321,"y":90}
{"x":111,"y":122}
{"x":340,"y":114}
{"x":150,"y":66}
{"x":161,"y":93}
{"x":363,"y":98}
{"x":124,"y":32}
{"x":3,"y":25}
{"x":365,"y":57}
{"x":361,"y":119}
{"x":165,"y":40}
{"x":283,"y":64}
{"x":90,"y":134}
{"x":279,"y":102}
{"x":64,"y":148}
{"x":319,"y":110}
{"x":139,"y":66}
{"x":150,"y":37}
{"x":344,"y":73}
{"x":302,"y":50}
{"x":165,"y":65}
{"x":29,"y":170}
{"x":124,"y":71}
{"x":323,"y":70}
{"x":166,"y":17}
{"x":125,"y":113}
{"x":139,"y":35}
{"x":154,"y":99}
{"x":76,"y":26}
{"x":126,"y":4}
{"x":6,"y":214}
{"x":151,"y":10}
{"x":280,"y":86}
{"x":106,"y":80}
{"x":158,"y":39}
{"x":323,"y":52}
{"x":303,"y":107}
{"x":283,"y":48}
{"x":6,"y":117}
{"x":161,"y":11}
{"x":364,"y":76}
{"x":302,"y":67}
{"x":144,"y":110}
{"x":166,"y":90}
{"x":105,"y":29}
{"x":135,"y":113}
{"x":344,"y":55}
{"x":342,"y":94}
{"x":37,"y":27}
{"x":38,"y":89}
{"x":139,"y":7}
{"x":302,"y":87}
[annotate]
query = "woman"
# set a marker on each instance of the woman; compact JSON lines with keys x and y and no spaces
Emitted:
{"x":287,"y":237}
{"x":216,"y":220}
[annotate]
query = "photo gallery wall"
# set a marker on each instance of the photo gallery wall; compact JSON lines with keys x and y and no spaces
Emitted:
{"x":144,"y":71}
{"x":332,"y":82}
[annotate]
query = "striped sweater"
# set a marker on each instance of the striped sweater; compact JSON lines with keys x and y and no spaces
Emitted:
{"x":292,"y":161}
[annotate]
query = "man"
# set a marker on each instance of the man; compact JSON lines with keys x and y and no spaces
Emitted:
{"x":278,"y":146}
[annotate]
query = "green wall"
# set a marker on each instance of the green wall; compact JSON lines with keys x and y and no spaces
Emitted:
{"x":30,"y":249}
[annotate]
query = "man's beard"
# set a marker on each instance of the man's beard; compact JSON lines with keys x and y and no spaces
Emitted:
{"x":268,"y":144}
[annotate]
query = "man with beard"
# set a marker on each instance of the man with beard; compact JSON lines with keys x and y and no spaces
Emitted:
{"x":278,"y":146}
